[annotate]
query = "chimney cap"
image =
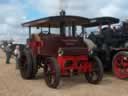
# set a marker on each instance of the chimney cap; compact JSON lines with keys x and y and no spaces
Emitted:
{"x":62,"y":12}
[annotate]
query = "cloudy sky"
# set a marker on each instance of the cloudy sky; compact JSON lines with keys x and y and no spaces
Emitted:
{"x":15,"y":12}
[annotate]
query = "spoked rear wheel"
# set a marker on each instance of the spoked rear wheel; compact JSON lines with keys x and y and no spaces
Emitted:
{"x":120,"y":65}
{"x":96,"y":74}
{"x":52,"y":72}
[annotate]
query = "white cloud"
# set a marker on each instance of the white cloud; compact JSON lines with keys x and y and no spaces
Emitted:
{"x":87,"y":8}
{"x":45,"y":6}
{"x":12,"y":12}
{"x":11,"y":17}
{"x":110,"y":10}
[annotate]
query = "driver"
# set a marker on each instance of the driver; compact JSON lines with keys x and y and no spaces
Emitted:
{"x":107,"y":35}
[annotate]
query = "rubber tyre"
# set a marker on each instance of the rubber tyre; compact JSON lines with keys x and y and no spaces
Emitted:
{"x":35,"y":65}
{"x":26,"y":64}
{"x":97,"y":71}
{"x":52,"y":68}
{"x":114,"y":67}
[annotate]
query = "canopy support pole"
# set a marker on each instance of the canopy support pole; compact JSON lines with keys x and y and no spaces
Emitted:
{"x":49,"y":29}
{"x":29,"y":32}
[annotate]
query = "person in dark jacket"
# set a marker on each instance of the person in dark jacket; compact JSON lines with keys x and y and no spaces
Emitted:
{"x":8,"y":51}
{"x":107,"y":35}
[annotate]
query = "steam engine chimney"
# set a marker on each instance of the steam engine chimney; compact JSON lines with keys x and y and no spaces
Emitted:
{"x":62,"y":13}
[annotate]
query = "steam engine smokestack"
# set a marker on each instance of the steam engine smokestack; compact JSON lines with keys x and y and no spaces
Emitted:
{"x":62,"y":13}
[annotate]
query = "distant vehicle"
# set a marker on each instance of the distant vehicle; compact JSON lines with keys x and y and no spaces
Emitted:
{"x":59,"y":51}
{"x":111,"y":44}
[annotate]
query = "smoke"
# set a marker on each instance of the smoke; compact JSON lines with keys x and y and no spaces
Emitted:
{"x":62,"y":5}
{"x":86,"y":8}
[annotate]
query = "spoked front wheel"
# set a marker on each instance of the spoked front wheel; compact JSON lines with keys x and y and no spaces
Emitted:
{"x":120,"y":65}
{"x":96,"y":73}
{"x":52,"y":72}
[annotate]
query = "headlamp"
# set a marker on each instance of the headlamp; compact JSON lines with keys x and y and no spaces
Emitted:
{"x":60,"y":52}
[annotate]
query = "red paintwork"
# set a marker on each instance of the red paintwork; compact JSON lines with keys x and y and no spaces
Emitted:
{"x":120,"y":67}
{"x":84,"y":67}
{"x":120,"y":49}
{"x":53,"y":42}
{"x":35,"y":46}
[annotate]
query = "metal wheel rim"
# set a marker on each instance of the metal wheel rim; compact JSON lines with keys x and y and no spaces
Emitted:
{"x":118,"y":66}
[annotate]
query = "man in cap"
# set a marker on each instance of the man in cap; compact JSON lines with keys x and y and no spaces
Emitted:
{"x":8,"y":53}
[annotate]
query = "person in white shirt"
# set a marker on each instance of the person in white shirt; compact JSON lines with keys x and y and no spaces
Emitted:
{"x":17,"y":54}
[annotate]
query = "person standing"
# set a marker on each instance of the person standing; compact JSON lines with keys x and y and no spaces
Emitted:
{"x":8,"y":51}
{"x":17,"y":54}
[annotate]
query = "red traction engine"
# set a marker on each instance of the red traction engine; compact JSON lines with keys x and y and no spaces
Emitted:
{"x":59,"y":51}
